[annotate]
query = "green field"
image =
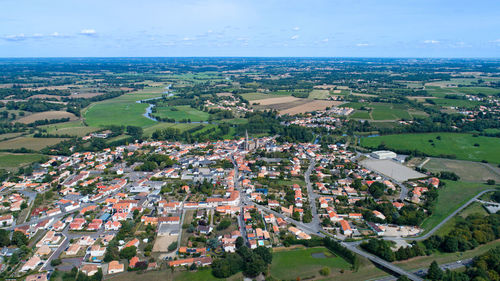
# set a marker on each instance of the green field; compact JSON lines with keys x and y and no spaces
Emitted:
{"x":122,"y":110}
{"x":181,"y":113}
{"x":29,"y":143}
{"x":319,"y":94}
{"x":296,"y":263}
{"x":450,"y":198}
{"x":73,"y":128}
{"x":467,"y":170}
{"x":379,"y":111}
{"x":11,"y":161}
{"x":460,"y":145}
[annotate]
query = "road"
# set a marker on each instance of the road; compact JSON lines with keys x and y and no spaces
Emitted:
{"x":315,"y":229}
{"x":428,"y":234}
{"x":444,"y":267}
{"x":311,"y":194}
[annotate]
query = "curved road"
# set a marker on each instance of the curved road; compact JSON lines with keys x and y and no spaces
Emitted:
{"x":428,"y":234}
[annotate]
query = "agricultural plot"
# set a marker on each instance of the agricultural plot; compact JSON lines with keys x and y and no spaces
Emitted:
{"x":379,"y":111}
{"x":123,"y":110}
{"x":72,"y":128}
{"x":310,"y":106}
{"x":182,"y":112}
{"x":49,"y":115}
{"x":260,"y":96}
{"x":460,"y":146}
{"x":466,"y":170}
{"x":29,"y":143}
{"x":11,"y":161}
{"x":319,"y":94}
{"x":303,"y":263}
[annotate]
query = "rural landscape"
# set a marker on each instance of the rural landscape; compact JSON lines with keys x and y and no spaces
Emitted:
{"x":215,"y":140}
{"x":254,"y":170}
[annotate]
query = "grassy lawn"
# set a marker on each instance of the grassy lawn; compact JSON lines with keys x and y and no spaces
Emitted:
{"x":182,"y":112}
{"x":29,"y":143}
{"x":204,"y":274}
{"x":452,"y":196}
{"x":300,"y":263}
{"x":466,"y":170}
{"x":122,"y":110}
{"x":460,"y":145}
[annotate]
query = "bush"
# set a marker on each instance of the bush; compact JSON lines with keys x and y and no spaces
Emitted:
{"x":172,"y":246}
{"x":325,"y":271}
{"x":223,"y":224}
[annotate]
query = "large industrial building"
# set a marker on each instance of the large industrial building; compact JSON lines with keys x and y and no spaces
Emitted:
{"x":383,"y":154}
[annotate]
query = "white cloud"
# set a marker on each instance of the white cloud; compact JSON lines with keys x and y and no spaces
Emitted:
{"x":325,"y":40}
{"x":295,"y":37}
{"x":88,"y":32}
{"x":17,"y":37}
{"x":362,"y":45}
{"x":431,"y":42}
{"x":296,"y":28}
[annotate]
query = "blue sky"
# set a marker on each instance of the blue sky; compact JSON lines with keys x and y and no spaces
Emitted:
{"x":354,"y":28}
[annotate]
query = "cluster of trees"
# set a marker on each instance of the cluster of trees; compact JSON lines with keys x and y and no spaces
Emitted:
{"x":445,"y":175}
{"x":467,"y":234}
{"x":484,"y":267}
{"x":382,"y":249}
{"x":407,"y":215}
{"x":33,"y":105}
{"x":151,"y":161}
{"x":251,"y":263}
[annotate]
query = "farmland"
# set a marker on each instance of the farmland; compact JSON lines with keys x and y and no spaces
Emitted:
{"x":461,"y":146}
{"x":382,"y":111}
{"x":29,"y":143}
{"x":182,"y":112}
{"x":466,"y":170}
{"x":11,"y":161}
{"x":123,"y":110}
{"x":49,"y":115}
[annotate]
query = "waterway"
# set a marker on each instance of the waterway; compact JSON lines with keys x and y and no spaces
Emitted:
{"x":149,"y":110}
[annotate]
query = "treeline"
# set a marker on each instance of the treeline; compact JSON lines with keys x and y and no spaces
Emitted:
{"x":466,"y":235}
{"x":250,"y":262}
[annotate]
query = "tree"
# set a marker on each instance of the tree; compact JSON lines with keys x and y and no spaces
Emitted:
{"x":225,"y":223}
{"x":172,"y":246}
{"x":134,"y":131}
{"x":128,"y":253}
{"x":403,"y":278}
{"x":434,"y":272}
{"x":490,"y":182}
{"x":4,"y":238}
{"x":254,"y":266}
{"x":213,"y":243}
{"x":265,"y":254}
{"x":239,"y":242}
{"x":19,"y":239}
